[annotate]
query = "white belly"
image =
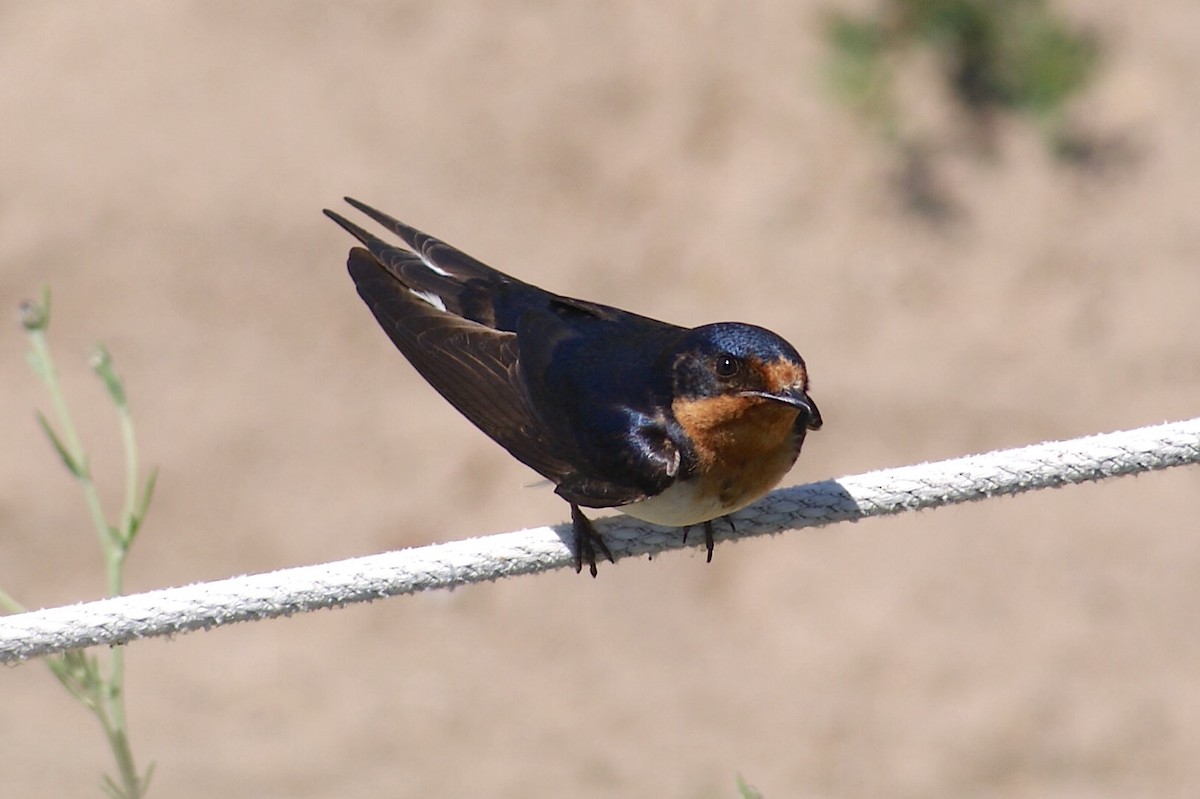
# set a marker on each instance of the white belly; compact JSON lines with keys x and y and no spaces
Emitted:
{"x":681,"y":505}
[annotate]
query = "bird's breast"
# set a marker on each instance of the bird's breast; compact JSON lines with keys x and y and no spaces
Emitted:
{"x":743,"y":447}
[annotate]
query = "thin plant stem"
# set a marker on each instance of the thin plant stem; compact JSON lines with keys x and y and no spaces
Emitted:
{"x":78,"y":672}
{"x":71,"y":445}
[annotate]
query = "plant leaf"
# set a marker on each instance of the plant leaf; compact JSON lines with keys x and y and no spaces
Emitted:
{"x":111,"y":788}
{"x":149,"y":774}
{"x":139,"y":515}
{"x":74,"y":467}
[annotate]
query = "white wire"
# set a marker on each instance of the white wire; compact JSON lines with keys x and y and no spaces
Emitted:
{"x":281,"y":593}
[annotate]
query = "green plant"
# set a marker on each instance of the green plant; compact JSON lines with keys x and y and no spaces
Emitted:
{"x":995,"y":56}
{"x":99,"y":687}
{"x":746,"y":790}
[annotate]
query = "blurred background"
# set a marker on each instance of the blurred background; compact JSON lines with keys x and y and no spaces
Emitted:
{"x":976,"y":221}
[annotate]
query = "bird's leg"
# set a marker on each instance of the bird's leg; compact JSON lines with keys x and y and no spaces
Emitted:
{"x":586,"y":541}
{"x":708,"y":535}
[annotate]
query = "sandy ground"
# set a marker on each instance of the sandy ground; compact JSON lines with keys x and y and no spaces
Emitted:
{"x":164,"y":167}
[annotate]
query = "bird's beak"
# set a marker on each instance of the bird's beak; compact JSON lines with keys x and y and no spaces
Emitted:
{"x":798,"y":399}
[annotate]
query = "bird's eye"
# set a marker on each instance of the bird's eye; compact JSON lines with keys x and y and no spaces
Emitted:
{"x":727,"y":366}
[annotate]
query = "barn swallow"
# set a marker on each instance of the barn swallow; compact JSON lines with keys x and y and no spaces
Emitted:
{"x":670,"y":425}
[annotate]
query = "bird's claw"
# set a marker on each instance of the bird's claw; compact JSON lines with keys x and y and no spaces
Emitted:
{"x":587,"y":540}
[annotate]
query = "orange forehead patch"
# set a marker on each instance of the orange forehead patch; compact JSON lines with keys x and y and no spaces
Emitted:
{"x":781,"y":374}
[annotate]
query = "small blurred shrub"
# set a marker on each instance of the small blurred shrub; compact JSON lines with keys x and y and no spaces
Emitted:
{"x":995,"y":55}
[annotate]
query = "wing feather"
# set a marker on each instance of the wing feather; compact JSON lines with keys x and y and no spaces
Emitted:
{"x":473,"y":366}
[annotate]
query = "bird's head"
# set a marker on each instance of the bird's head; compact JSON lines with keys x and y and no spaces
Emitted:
{"x":729,"y":365}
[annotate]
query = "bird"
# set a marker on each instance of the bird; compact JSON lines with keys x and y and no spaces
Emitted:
{"x":670,"y":425}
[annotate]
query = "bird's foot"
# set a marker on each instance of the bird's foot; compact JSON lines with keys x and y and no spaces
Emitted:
{"x":587,"y":540}
{"x":708,"y":535}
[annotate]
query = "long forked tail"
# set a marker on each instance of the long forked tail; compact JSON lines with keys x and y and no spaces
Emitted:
{"x":446,"y":277}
